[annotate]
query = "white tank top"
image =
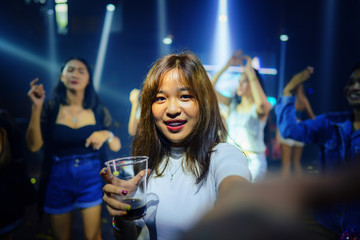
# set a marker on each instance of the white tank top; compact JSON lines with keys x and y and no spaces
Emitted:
{"x":246,"y":130}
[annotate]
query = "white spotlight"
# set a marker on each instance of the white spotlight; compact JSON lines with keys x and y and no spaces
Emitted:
{"x":61,"y":11}
{"x":284,"y":37}
{"x":102,"y":48}
{"x":255,"y":63}
{"x":167,"y":41}
{"x":110,"y":7}
{"x":223,"y":18}
{"x":222,"y":43}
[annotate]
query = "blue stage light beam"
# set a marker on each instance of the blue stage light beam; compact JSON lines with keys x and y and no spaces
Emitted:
{"x":327,"y":52}
{"x":25,"y":55}
{"x":283,"y":38}
{"x":103,"y":45}
{"x":222,"y":43}
{"x":51,"y":26}
{"x":163,"y":47}
{"x":238,"y":69}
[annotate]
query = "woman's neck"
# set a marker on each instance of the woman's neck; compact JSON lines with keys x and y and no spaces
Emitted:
{"x":176,"y":152}
{"x":75,"y":98}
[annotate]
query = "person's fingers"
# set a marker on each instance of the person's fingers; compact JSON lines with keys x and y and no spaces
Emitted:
{"x":238,"y":53}
{"x":96,"y":139}
{"x":91,"y":140}
{"x":88,"y":141}
{"x":33,"y":82}
{"x":134,"y":95}
{"x":39,"y":90}
{"x":95,"y":146}
{"x":104,"y":173}
{"x":247,"y":58}
{"x":136,"y":180}
{"x":115,"y":207}
{"x":112,"y":189}
{"x":310,"y":69}
{"x":32,"y":89}
{"x":114,"y":212}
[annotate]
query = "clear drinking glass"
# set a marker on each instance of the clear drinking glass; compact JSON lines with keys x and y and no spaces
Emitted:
{"x":130,"y":174}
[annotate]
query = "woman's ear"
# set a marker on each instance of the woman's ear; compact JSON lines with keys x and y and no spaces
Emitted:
{"x":61,"y":77}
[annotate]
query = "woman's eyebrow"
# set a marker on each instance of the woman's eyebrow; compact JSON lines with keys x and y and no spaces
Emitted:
{"x":79,"y":68}
{"x":182,"y":89}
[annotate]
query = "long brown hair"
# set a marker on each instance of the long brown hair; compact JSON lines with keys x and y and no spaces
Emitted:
{"x":209,"y":131}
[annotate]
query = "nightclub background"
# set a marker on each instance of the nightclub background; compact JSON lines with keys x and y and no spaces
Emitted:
{"x":321,"y":33}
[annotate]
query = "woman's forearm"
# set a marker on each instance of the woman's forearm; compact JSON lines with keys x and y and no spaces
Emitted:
{"x":34,"y":140}
{"x":262,"y":105}
{"x":133,"y":121}
{"x":114,"y":144}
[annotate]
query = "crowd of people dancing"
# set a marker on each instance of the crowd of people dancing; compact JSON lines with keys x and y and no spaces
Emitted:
{"x":207,"y":176}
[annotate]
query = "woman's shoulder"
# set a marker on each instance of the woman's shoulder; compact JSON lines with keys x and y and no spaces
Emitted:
{"x":223,"y":146}
{"x":228,"y":159}
{"x":226,"y":149}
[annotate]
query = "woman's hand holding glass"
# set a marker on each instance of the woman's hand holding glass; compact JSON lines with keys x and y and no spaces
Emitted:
{"x":125,"y":193}
{"x":116,"y":188}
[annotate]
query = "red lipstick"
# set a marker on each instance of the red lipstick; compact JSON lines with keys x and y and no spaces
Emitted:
{"x":175,"y":125}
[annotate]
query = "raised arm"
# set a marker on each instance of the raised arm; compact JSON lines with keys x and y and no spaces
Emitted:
{"x":34,"y":139}
{"x":234,"y":60}
{"x":297,"y":79}
{"x":302,"y":102}
{"x":133,"y":120}
{"x":308,"y":109}
{"x":263,"y":106}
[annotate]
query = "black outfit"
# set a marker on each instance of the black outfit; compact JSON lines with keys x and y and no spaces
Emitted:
{"x":48,"y":121}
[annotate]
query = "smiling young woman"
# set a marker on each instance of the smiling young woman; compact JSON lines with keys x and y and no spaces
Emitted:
{"x":182,"y":132}
{"x":175,"y":108}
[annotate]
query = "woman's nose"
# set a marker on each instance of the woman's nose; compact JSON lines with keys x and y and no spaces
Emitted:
{"x":173,"y":108}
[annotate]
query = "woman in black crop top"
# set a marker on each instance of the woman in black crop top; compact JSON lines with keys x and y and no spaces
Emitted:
{"x":71,"y":128}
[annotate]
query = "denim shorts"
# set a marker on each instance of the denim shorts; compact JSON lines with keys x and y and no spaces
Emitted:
{"x":74,"y":182}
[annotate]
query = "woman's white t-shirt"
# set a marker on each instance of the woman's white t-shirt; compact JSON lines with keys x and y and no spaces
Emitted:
{"x":175,"y":203}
